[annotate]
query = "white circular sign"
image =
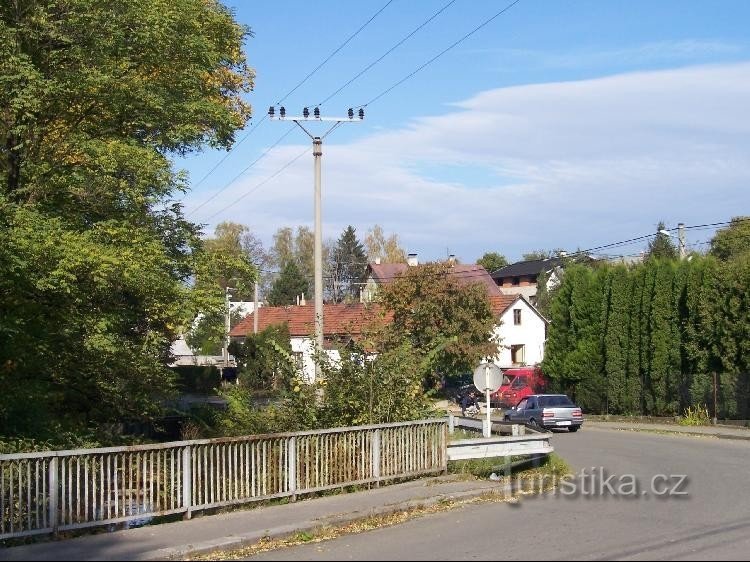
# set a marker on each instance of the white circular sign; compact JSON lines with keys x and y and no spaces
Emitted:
{"x":488,"y":376}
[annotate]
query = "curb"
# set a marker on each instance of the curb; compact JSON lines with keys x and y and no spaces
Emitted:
{"x":285,"y":531}
{"x":674,"y":432}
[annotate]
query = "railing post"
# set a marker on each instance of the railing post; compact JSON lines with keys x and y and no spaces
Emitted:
{"x":292,"y":466}
{"x":187,"y":481}
{"x":54,"y":494}
{"x":451,"y":423}
{"x":376,"y":457}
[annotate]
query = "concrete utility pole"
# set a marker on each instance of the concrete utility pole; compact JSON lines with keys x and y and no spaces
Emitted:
{"x":255,"y":308}
{"x":681,"y":238}
{"x":227,"y":328}
{"x":317,"y":155}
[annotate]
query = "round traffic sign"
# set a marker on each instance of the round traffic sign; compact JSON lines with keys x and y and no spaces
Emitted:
{"x":488,"y":376}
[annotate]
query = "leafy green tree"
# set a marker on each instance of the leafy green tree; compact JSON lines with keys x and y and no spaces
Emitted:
{"x":264,"y":359}
{"x":236,"y":240}
{"x":289,"y":285}
{"x":388,"y":250}
{"x":492,"y":261}
{"x":364,"y":389}
{"x":431,"y":309}
{"x":96,"y":260}
{"x":347,"y":267}
{"x":661,"y":246}
{"x":733,"y":241}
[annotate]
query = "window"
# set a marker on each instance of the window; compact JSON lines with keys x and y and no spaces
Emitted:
{"x":517,"y":316}
{"x":517,"y":354}
{"x":522,"y":404}
{"x":516,"y":281}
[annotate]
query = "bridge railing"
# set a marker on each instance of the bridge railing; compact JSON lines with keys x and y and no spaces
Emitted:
{"x":50,"y":491}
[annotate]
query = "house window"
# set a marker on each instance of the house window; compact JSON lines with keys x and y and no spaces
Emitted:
{"x":516,"y":281}
{"x":517,"y":354}
{"x":517,"y":316}
{"x":298,"y":361}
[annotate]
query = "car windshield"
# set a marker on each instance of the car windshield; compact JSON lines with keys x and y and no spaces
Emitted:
{"x":518,"y":382}
{"x":557,"y":401}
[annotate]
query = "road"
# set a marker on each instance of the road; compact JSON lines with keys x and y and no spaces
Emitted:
{"x":603,"y":519}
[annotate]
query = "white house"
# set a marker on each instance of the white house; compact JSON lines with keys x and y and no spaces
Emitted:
{"x":521,"y":329}
{"x":341,"y":323}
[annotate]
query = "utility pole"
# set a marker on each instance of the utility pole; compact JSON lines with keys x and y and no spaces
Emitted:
{"x":255,"y":308}
{"x":317,"y":156}
{"x":227,"y":328}
{"x":681,"y":238}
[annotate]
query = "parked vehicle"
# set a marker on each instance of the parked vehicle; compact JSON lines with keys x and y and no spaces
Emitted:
{"x":518,"y":383}
{"x":547,"y":411}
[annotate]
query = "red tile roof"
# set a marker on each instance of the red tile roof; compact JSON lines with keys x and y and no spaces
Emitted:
{"x":464,"y":274}
{"x":338,"y":319}
{"x":500,"y":304}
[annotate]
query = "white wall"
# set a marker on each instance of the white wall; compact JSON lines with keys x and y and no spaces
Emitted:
{"x":530,"y":333}
{"x":305,"y":347}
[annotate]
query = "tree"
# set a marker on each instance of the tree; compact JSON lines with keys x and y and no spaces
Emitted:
{"x":430,"y":309}
{"x":264,"y":359}
{"x":492,"y":261}
{"x":347,"y":266}
{"x":97,"y":261}
{"x":538,"y":255}
{"x":236,"y":240}
{"x":661,"y":246}
{"x":388,"y":249}
{"x":288,"y":286}
{"x":733,"y":241}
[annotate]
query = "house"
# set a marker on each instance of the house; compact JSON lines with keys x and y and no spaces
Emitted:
{"x":465,"y":274}
{"x":521,"y":329}
{"x":521,"y":278}
{"x":341,"y":323}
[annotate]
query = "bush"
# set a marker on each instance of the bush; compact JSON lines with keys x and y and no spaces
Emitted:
{"x":697,"y":415}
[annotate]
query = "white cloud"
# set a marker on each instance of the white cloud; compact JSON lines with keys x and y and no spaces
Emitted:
{"x":572,"y":164}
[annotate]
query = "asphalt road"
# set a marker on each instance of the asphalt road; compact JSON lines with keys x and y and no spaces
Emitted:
{"x":619,"y":506}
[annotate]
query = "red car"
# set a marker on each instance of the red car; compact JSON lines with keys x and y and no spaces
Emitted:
{"x":517,"y":384}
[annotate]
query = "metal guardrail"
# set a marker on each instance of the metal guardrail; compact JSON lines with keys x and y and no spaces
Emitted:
{"x":50,"y":491}
{"x":518,"y":440}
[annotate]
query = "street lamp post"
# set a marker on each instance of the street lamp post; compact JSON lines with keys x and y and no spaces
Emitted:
{"x":317,"y":142}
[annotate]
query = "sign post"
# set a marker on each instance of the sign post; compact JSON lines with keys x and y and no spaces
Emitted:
{"x":487,"y":378}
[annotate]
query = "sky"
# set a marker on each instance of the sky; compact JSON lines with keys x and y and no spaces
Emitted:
{"x":560,"y":124}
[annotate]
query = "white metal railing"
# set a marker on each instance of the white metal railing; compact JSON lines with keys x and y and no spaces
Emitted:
{"x":52,"y":491}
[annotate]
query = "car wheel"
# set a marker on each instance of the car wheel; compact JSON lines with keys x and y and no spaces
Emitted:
{"x":532,"y":423}
{"x":507,"y":418}
{"x":573,"y":428}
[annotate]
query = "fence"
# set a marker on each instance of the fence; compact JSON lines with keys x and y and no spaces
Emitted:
{"x":52,"y":491}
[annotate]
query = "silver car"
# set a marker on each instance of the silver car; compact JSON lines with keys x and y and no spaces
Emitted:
{"x":546,"y":411}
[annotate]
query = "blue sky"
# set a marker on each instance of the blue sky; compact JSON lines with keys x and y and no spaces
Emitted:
{"x":561,"y":124}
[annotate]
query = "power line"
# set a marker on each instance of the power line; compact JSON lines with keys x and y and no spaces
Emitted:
{"x":259,"y":185}
{"x":305,"y":79}
{"x":389,"y":51}
{"x":352,"y":36}
{"x":235,"y":178}
{"x":433,"y":59}
{"x":398,"y":44}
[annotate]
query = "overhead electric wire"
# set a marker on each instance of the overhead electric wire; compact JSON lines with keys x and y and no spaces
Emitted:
{"x":388,"y":52}
{"x":433,"y":59}
{"x":257,"y":186}
{"x":309,"y":75}
{"x":352,"y":36}
{"x":235,"y":178}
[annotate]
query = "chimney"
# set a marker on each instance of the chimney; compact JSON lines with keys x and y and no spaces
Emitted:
{"x":377,"y":260}
{"x":412,"y":260}
{"x":452,"y":260}
{"x":302,"y":300}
